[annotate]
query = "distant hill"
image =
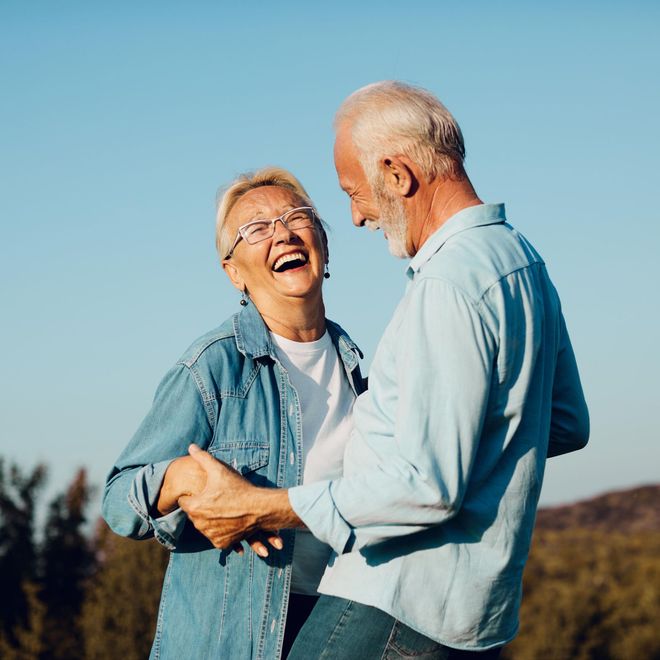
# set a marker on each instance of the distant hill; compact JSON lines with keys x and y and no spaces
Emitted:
{"x":591,"y":588}
{"x":627,"y":511}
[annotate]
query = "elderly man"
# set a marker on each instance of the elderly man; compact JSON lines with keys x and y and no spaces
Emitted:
{"x":473,"y":385}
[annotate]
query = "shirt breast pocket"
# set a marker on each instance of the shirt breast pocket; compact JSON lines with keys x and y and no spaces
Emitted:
{"x":249,"y":458}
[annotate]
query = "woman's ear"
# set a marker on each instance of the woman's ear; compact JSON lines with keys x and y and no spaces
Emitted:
{"x":234,"y":274}
{"x":324,"y":242}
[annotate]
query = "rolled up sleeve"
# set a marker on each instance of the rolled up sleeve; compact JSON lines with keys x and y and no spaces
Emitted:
{"x":177,"y":417}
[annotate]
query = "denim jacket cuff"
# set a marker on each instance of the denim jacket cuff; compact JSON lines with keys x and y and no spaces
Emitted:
{"x":143,"y":497}
{"x":314,"y":505}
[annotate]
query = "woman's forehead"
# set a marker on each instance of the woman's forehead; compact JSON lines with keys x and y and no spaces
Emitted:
{"x":266,"y":202}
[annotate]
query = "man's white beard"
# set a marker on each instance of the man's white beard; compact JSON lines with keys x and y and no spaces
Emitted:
{"x":394,"y":223}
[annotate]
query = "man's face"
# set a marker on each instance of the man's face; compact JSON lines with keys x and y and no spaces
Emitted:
{"x":373,"y":207}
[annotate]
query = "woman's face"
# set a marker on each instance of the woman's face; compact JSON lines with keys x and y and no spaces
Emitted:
{"x":259,"y":268}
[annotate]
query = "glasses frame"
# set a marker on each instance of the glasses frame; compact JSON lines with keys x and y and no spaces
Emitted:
{"x":282,"y":218}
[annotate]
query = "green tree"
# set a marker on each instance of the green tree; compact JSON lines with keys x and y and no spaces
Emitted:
{"x":28,"y":638}
{"x":66,"y":562}
{"x":120,"y":611}
{"x":18,"y":553}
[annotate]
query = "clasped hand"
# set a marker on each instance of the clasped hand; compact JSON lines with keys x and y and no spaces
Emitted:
{"x":223,"y":510}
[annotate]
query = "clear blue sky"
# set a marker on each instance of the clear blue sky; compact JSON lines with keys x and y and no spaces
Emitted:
{"x":119,"y":121}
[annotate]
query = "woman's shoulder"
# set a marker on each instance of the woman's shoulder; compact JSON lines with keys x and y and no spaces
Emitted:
{"x":214,"y":344}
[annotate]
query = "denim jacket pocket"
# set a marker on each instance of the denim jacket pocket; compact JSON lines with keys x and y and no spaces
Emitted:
{"x":243,"y":456}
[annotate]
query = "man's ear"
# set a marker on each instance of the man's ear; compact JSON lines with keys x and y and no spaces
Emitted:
{"x":399,"y":178}
{"x":234,"y":274}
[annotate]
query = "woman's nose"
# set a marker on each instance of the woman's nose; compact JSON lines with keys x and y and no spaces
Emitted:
{"x":281,"y":233}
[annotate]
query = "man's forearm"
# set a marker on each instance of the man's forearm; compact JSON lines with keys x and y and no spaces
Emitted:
{"x":273,"y":510}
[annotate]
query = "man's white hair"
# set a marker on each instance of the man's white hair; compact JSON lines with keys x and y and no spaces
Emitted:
{"x":394,"y":118}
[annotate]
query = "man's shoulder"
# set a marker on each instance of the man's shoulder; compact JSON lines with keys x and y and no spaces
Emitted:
{"x":476,"y":259}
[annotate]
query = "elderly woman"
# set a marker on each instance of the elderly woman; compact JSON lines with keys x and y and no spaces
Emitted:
{"x":269,"y":392}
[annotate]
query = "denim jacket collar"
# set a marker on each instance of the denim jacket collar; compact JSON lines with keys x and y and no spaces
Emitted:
{"x":253,"y":339}
{"x":467,"y":218}
{"x":251,"y":333}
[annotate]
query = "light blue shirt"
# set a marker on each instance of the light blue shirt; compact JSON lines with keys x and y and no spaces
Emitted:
{"x":473,"y":384}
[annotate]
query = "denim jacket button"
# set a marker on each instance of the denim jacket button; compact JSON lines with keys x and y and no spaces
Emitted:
{"x":292,"y":458}
{"x":279,"y":573}
{"x":272,"y":625}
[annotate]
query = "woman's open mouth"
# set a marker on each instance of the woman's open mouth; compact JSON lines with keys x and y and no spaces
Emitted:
{"x":289,"y":262}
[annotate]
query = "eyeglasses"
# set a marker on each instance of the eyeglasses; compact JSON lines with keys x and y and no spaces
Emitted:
{"x":259,"y":230}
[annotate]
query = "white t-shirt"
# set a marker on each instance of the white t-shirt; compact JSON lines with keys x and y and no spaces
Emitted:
{"x":326,"y":402}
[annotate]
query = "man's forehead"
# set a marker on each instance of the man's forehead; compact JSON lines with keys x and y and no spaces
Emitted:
{"x":344,"y":147}
{"x":346,"y":158}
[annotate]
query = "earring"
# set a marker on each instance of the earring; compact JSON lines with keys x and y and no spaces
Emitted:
{"x":327,"y":272}
{"x":243,"y":299}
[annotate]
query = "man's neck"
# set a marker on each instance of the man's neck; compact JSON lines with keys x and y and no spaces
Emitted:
{"x":444,"y":199}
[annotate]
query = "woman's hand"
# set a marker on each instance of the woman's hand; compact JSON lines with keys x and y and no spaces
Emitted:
{"x":258,"y":543}
{"x":184,"y":476}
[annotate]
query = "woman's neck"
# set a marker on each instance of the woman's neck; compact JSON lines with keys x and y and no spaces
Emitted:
{"x":298,"y":320}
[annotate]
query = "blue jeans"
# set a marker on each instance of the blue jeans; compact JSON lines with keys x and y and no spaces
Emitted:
{"x":339,"y":629}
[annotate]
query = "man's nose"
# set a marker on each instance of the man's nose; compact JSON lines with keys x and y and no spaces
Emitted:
{"x":357,"y":217}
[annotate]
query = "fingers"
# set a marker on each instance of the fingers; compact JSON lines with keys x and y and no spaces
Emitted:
{"x":258,"y":542}
{"x":274,"y":540}
{"x":258,"y":547}
{"x":215,"y":471}
{"x":202,"y":457}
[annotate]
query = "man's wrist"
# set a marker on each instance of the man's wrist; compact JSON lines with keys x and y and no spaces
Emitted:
{"x":273,"y":509}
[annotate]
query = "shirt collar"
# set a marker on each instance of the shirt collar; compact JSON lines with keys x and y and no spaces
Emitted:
{"x":472,"y":216}
{"x":254,"y":341}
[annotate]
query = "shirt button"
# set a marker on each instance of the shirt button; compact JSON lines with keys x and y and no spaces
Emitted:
{"x":291,"y":409}
{"x":279,"y":573}
{"x":272,"y":625}
{"x":292,"y":458}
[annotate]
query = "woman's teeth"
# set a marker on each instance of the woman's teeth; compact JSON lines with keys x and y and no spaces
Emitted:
{"x":288,"y":258}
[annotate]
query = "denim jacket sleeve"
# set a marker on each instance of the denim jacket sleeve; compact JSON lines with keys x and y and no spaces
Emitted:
{"x":178,"y":416}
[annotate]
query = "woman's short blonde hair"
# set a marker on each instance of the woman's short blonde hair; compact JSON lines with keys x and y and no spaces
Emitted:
{"x":230,"y":194}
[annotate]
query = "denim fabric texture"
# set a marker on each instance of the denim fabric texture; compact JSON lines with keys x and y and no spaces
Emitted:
{"x":229,"y":394}
{"x":474,"y":383}
{"x":340,"y":629}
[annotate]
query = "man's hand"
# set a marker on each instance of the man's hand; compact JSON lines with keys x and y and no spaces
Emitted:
{"x":230,"y":509}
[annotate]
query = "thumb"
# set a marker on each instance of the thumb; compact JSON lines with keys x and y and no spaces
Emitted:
{"x":203,"y":458}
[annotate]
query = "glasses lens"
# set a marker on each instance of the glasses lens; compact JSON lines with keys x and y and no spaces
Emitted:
{"x":260,"y":230}
{"x":299,"y":218}
{"x":257,"y":231}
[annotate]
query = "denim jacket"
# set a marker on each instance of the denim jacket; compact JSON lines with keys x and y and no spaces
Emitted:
{"x":230,"y":395}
